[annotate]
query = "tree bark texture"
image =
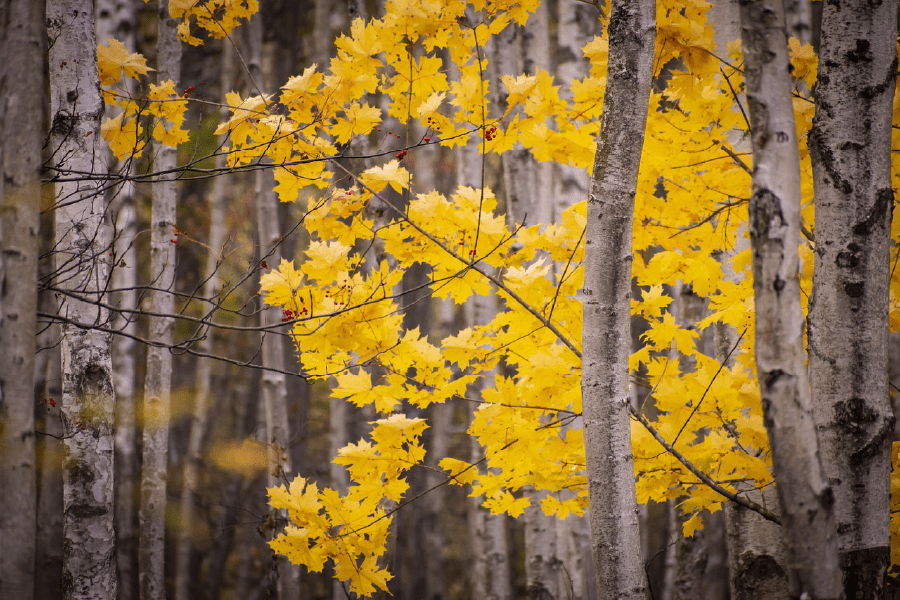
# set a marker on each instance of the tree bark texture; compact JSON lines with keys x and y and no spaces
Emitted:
{"x":83,"y":245}
{"x":615,"y":538}
{"x":850,"y":147}
{"x":116,"y":19}
{"x":20,"y":200}
{"x":805,"y":498}
{"x":158,"y":380}
{"x":199,"y":420}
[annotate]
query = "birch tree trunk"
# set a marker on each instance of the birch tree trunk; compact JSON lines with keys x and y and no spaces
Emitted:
{"x":850,"y":147}
{"x":756,"y":562}
{"x":578,"y":24}
{"x":116,"y":19}
{"x":184,"y":573}
{"x":83,"y":243}
{"x":158,"y":381}
{"x":805,"y":498}
{"x":615,"y":538}
{"x":20,"y":200}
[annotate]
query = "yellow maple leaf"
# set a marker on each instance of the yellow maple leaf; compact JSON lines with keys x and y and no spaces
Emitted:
{"x":357,"y":388}
{"x":123,"y":135}
{"x":114,"y":59}
{"x":279,"y":285}
{"x":359,"y":119}
{"x":377,"y":178}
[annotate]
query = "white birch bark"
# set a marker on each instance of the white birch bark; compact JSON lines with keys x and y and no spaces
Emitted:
{"x":116,"y":19}
{"x":83,"y":244}
{"x":158,"y":380}
{"x":756,"y":561}
{"x":199,"y":418}
{"x":615,"y":538}
{"x":805,"y":498}
{"x":20,"y":199}
{"x":850,"y":146}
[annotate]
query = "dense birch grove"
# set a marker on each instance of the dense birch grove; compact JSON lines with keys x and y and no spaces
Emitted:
{"x":500,"y":299}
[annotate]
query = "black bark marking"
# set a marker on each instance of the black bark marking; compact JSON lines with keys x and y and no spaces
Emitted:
{"x":887,"y":84}
{"x":854,"y":289}
{"x":878,"y":215}
{"x":757,"y":574}
{"x":853,"y":415}
{"x":849,"y":258}
{"x":864,"y":572}
{"x":764,"y":210}
{"x":772,"y":378}
{"x":861,"y":53}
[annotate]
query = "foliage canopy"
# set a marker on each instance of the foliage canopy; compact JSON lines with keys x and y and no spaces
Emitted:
{"x":427,"y":60}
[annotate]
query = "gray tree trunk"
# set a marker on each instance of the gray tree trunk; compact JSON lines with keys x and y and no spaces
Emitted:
{"x":805,"y":498}
{"x":615,"y":538}
{"x":158,"y":381}
{"x":83,"y":245}
{"x":116,"y":19}
{"x":756,"y":562}
{"x":185,"y":576}
{"x":850,"y":147}
{"x":20,"y":199}
{"x":578,"y":24}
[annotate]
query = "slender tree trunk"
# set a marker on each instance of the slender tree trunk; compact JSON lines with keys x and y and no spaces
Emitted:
{"x":82,"y":247}
{"x":158,"y":381}
{"x":756,"y":561}
{"x":850,"y":146}
{"x":116,"y":19}
{"x":805,"y":498}
{"x":274,"y":385}
{"x":20,"y":201}
{"x":185,"y":576}
{"x":49,"y":535}
{"x":526,"y":183}
{"x":615,"y":538}
{"x":578,"y":23}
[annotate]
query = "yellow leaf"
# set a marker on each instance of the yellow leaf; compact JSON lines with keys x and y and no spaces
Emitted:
{"x":377,"y":178}
{"x":114,"y":58}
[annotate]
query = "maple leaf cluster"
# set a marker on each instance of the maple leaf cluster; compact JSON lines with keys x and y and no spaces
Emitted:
{"x":690,"y":238}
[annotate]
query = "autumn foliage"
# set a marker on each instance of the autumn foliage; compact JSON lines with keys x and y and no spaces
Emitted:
{"x":344,"y":312}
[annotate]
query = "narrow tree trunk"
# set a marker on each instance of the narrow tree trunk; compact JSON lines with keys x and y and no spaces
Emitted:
{"x":756,"y":562}
{"x":805,"y":498}
{"x":49,"y":450}
{"x":116,"y":19}
{"x":83,"y":243}
{"x":274,"y":385}
{"x":185,"y":578}
{"x":615,"y":538}
{"x":20,"y":201}
{"x":158,"y":381}
{"x":578,"y":24}
{"x":850,"y":146}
